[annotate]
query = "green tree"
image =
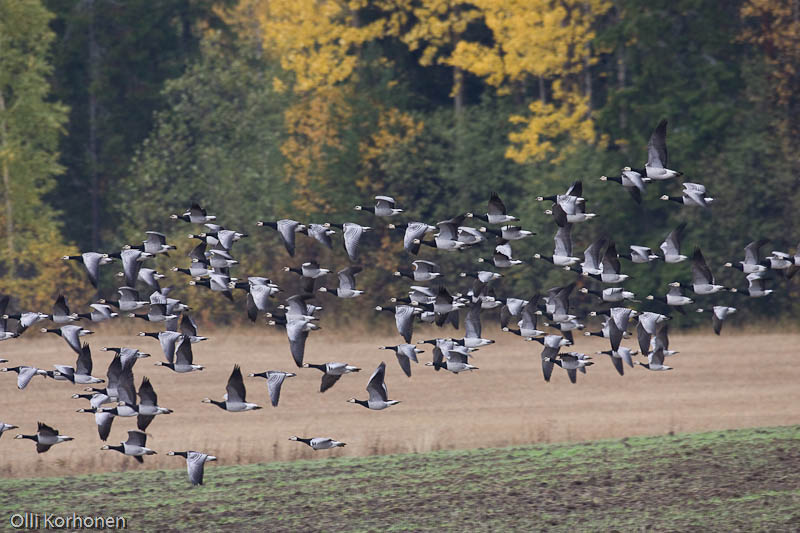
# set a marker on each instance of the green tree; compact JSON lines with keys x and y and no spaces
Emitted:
{"x":112,"y":60}
{"x":30,"y":127}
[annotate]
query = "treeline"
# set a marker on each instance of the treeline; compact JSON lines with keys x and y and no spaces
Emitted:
{"x":302,"y":109}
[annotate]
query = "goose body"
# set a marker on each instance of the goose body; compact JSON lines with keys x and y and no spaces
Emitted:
{"x":275,"y":380}
{"x":24,"y":374}
{"x":378,"y":393}
{"x":384,"y":207}
{"x":45,"y":437}
{"x":235,"y":397}
{"x":319,"y":443}
{"x":135,"y":446}
{"x":331,"y":372}
{"x":195,"y":464}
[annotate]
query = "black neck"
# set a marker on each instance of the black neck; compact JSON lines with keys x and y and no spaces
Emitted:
{"x":221,"y":405}
{"x":365,"y":403}
{"x":318,"y":367}
{"x":550,"y":198}
{"x":678,"y":199}
{"x":32,"y":437}
{"x":307,"y":441}
{"x":515,"y":331}
{"x":614,"y":178}
{"x":119,"y":448}
{"x":151,"y":334}
{"x":182,"y":454}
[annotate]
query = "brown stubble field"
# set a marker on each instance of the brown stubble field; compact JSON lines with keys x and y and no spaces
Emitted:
{"x":733,"y":381}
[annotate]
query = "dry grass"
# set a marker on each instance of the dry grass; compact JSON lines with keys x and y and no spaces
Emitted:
{"x":728,"y":382}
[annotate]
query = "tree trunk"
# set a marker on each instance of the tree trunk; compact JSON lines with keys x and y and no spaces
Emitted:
{"x":587,"y":83}
{"x":7,"y":189}
{"x":542,"y":90}
{"x":94,"y":192}
{"x":458,"y":91}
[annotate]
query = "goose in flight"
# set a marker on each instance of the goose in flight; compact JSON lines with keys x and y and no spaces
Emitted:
{"x":508,"y":233}
{"x":135,"y":446}
{"x":447,"y":238}
{"x":331,"y":372}
{"x":414,"y":234}
{"x":592,"y":257}
{"x":199,"y":266}
{"x":287,"y":229}
{"x":352,"y":234}
{"x":92,"y":261}
{"x":195,"y":464}
{"x":347,"y":283}
{"x":622,"y":355}
{"x":148,"y":405}
{"x":455,"y":359}
{"x":655,"y":361}
{"x":319,"y":443}
{"x":71,"y":335}
{"x":472,"y":327}
{"x":527,"y":323}
{"x":24,"y":374}
{"x":420,"y":271}
{"x":562,"y":254}
{"x":648,"y":327}
{"x":102,"y":419}
{"x":156,"y":243}
{"x":405,"y":354}
{"x":403,"y":318}
{"x":99,"y":313}
{"x":128,"y":301}
{"x":719,"y":313}
{"x":610,"y":294}
{"x":496,"y":213}
{"x":671,"y":247}
{"x":82,"y":372}
{"x":674,"y":298}
{"x":694,"y":194}
{"x":657,"y":156}
{"x":45,"y":437}
{"x":183,"y":358}
{"x":156,"y":313}
{"x":131,"y":264}
{"x":5,"y":427}
{"x":128,"y":356}
{"x":757,"y":285}
{"x":384,"y":207}
{"x":631,"y":181}
{"x":321,"y":233}
{"x":275,"y":380}
{"x":702,"y":278}
{"x":378,"y":393}
{"x":552,"y":344}
{"x":61,"y":313}
{"x":570,"y":211}
{"x":751,"y":261}
{"x":195,"y":215}
{"x":219,"y":281}
{"x":297,"y":331}
{"x":571,"y":362}
{"x":639,"y":254}
{"x":219,"y":236}
{"x":234,"y":400}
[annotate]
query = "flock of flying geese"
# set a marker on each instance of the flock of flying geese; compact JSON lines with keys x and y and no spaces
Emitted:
{"x":211,"y":261}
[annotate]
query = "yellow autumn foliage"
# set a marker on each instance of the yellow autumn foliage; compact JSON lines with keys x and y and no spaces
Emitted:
{"x":776,"y":30}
